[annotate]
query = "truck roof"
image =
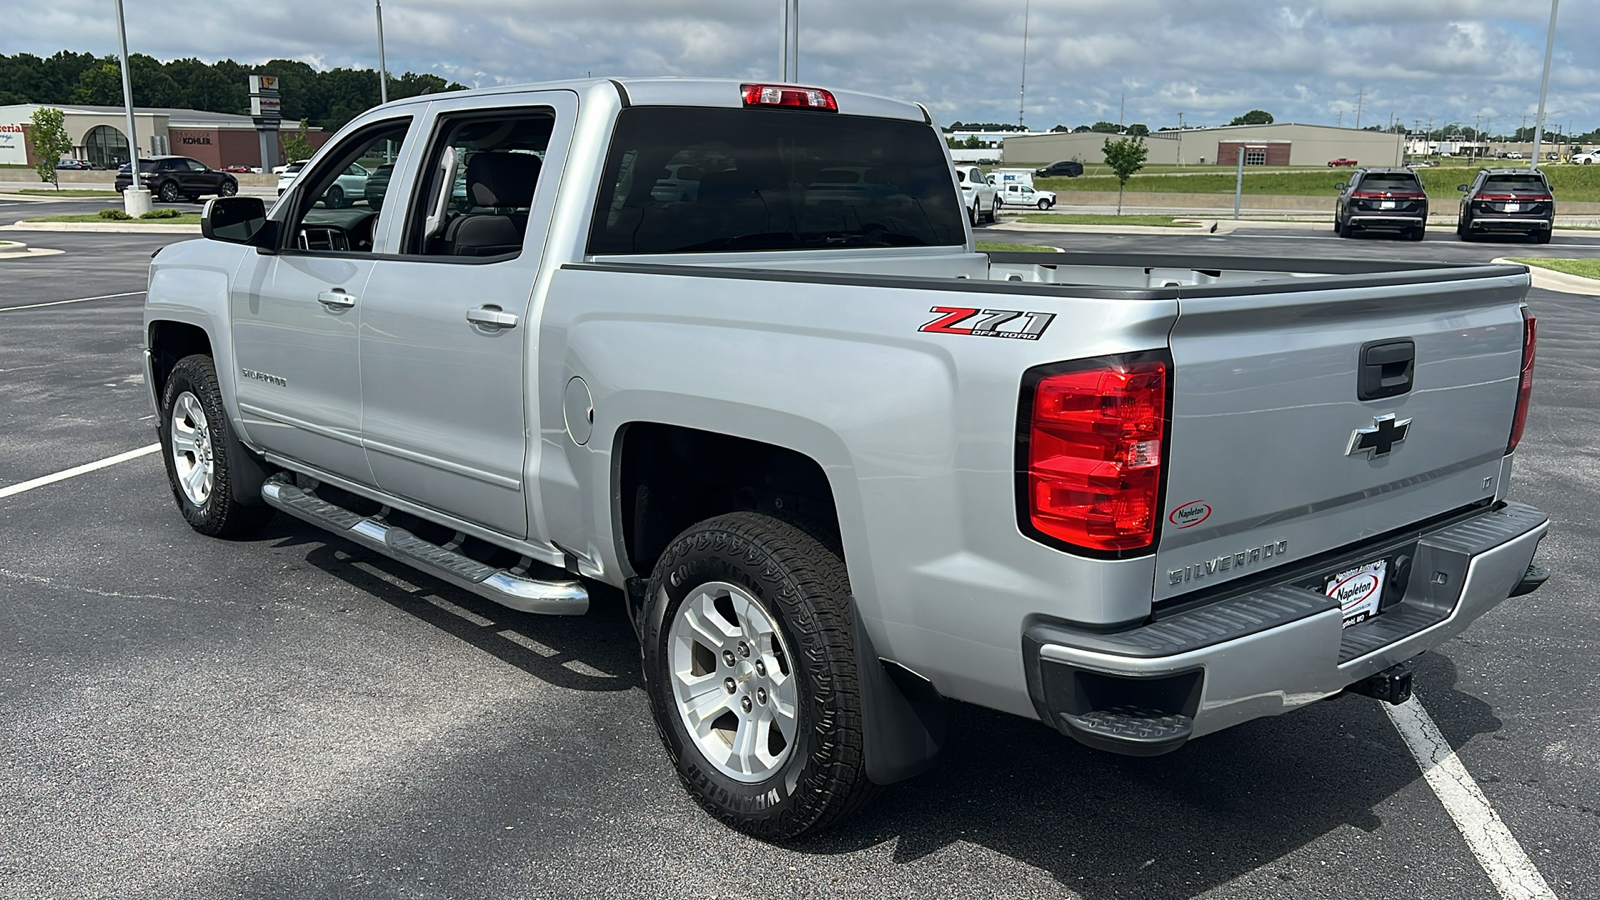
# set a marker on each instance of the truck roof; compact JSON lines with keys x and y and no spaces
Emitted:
{"x":704,"y":92}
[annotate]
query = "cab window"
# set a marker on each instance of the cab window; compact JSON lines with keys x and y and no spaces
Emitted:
{"x":478,"y":182}
{"x":337,"y":203}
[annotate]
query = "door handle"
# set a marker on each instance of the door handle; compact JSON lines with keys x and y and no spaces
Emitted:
{"x":492,"y":317}
{"x":336,"y":299}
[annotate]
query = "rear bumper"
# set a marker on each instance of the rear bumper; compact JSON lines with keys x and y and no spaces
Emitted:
{"x":1381,"y":220}
{"x":1510,"y":223}
{"x":1148,"y":690}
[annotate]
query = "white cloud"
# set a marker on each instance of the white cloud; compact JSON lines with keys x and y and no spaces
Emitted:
{"x":1444,"y":60}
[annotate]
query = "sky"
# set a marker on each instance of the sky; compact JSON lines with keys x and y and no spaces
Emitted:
{"x":1311,"y":61}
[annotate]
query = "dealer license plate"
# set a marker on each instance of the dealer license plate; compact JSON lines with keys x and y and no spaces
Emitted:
{"x":1386,"y":204}
{"x":1513,"y":207}
{"x":1358,"y":590}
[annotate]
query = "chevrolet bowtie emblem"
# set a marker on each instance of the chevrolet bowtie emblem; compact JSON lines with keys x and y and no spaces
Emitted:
{"x":1380,"y":438}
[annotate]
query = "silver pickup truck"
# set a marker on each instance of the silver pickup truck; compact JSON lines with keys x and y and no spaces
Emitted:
{"x":729,"y":349}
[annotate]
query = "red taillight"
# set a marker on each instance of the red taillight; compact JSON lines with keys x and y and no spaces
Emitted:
{"x":1094,"y":469}
{"x":1530,"y":341}
{"x":1497,"y":198}
{"x":788,"y":95}
{"x":1366,"y":195}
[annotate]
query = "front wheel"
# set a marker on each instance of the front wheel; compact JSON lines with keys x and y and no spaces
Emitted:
{"x":196,"y":441}
{"x":749,"y":663}
{"x":228,"y":189}
{"x":1044,"y":205}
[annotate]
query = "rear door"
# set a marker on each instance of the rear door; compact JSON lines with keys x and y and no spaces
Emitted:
{"x":1276,"y":458}
{"x":446,"y":322}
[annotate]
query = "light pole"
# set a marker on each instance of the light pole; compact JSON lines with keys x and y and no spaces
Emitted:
{"x":789,"y":45}
{"x":383,"y":69}
{"x":1544,"y":86}
{"x":1022,"y":93}
{"x":135,"y":198}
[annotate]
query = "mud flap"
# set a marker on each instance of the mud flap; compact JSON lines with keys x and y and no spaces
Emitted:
{"x":903,"y":719}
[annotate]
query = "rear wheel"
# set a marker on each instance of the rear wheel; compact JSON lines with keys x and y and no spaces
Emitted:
{"x":168,"y":192}
{"x":994,"y":210}
{"x":1417,"y":233}
{"x":749,"y":663}
{"x":334,"y":197}
{"x":196,"y":441}
{"x":972,"y":215}
{"x":1542,"y":237}
{"x":1347,"y":230}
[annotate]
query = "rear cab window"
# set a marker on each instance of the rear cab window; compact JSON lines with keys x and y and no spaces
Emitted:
{"x":1524,"y":184}
{"x":1392,"y":183}
{"x":771,"y":180}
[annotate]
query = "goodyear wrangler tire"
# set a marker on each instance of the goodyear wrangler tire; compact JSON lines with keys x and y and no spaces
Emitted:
{"x":750,"y":667}
{"x":197,"y":445}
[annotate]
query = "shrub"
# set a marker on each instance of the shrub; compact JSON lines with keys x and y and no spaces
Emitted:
{"x":114,"y":214}
{"x":164,"y":213}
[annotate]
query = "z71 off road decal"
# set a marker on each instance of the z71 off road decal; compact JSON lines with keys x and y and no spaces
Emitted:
{"x":1000,"y":323}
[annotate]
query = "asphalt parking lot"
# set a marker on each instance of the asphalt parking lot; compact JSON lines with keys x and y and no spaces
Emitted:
{"x":292,"y":716}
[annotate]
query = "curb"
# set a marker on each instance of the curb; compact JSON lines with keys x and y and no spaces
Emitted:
{"x":1197,"y":228}
{"x":1550,"y":280}
{"x":108,"y":228}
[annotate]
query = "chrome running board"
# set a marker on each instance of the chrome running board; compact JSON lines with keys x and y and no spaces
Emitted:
{"x":508,"y":587}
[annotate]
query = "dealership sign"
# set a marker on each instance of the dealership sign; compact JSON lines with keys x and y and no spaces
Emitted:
{"x":13,"y":150}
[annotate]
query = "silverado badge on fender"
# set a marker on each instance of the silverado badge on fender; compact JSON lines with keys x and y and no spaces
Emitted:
{"x":993,"y":322}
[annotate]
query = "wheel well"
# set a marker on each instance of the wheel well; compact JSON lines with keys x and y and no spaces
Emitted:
{"x":170,"y":342}
{"x":671,"y":477}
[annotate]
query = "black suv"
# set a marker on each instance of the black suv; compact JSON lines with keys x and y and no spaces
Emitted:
{"x":1517,"y":201}
{"x":1065,"y":168}
{"x":1382,"y":199}
{"x":172,"y":177}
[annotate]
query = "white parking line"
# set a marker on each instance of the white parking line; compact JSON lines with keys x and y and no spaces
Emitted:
{"x":1508,"y":867}
{"x":75,"y":471}
{"x":77,"y":300}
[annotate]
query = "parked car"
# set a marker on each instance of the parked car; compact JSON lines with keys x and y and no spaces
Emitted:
{"x":378,"y":185}
{"x":1341,"y":161}
{"x":349,"y":187}
{"x":1382,"y":200}
{"x":1068,"y":168}
{"x":171,"y":178}
{"x":73,"y":164}
{"x":1015,"y":194}
{"x":1138,"y":498}
{"x":1586,"y":159}
{"x":1507,"y":201}
{"x":237,"y":169}
{"x":980,"y":198}
{"x":1422,"y":164}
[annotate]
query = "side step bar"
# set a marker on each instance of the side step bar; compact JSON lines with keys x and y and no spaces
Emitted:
{"x":508,"y":587}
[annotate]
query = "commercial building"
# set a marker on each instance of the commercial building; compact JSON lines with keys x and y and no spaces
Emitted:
{"x":99,"y":135}
{"x":1278,"y":144}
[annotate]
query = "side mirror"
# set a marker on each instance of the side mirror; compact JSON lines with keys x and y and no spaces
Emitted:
{"x":237,"y":220}
{"x":1339,"y":186}
{"x":1462,"y":188}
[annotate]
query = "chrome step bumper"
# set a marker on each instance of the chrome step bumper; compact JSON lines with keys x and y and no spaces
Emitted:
{"x":508,"y":587}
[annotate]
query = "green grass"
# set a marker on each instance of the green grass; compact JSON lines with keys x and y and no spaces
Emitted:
{"x":1085,"y":219}
{"x":996,"y":247}
{"x":185,"y":219}
{"x":48,"y":192}
{"x":1588,"y":268}
{"x":1573,"y":183}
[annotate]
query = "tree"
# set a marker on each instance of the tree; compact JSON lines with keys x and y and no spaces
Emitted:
{"x":50,"y":142}
{"x":99,"y":85}
{"x":1125,"y":156}
{"x":1104,"y":127}
{"x":1253,"y":117}
{"x":296,"y":145}
{"x":1139,"y":128}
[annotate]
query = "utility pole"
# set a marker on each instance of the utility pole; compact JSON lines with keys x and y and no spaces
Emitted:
{"x":1360,"y":95}
{"x":1121,"y":111}
{"x":1022,"y":94}
{"x":1544,"y":87}
{"x":1180,"y":139}
{"x":789,"y":41}
{"x":1477,"y":133}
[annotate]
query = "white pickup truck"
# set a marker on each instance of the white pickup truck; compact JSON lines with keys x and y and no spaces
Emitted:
{"x":729,"y":348}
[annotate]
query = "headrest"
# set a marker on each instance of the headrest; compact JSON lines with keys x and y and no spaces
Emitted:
{"x":503,"y":179}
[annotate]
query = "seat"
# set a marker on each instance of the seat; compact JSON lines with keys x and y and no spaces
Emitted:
{"x":502,"y":183}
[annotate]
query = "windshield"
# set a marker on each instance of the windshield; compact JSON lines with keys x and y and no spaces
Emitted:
{"x":771,"y":180}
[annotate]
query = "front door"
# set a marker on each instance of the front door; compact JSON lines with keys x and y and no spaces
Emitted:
{"x":446,"y":324}
{"x":296,"y":315}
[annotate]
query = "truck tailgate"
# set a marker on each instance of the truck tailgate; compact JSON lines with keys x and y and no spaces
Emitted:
{"x":1274,"y":458}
